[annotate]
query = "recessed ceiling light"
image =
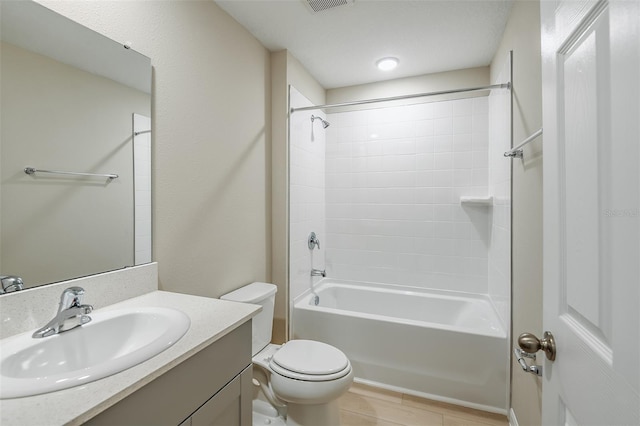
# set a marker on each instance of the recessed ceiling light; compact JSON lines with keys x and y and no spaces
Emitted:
{"x":387,"y":64}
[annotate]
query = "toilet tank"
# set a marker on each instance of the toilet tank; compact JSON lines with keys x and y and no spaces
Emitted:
{"x":263,"y":294}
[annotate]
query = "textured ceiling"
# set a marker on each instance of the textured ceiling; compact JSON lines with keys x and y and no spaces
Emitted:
{"x":340,"y":46}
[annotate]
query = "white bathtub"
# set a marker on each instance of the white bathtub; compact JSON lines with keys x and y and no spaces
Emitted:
{"x":440,"y":345}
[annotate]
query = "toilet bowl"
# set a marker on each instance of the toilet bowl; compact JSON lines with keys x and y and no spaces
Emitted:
{"x":302,"y":379}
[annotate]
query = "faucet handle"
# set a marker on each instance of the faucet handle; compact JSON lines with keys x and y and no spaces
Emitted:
{"x":313,"y":241}
{"x":10,"y":283}
{"x":71,"y":297}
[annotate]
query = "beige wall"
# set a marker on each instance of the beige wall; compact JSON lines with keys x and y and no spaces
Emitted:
{"x":457,"y":79}
{"x":211,"y":138}
{"x":51,"y":223}
{"x":279,"y":189}
{"x":305,"y":83}
{"x":522,"y":35}
{"x":285,"y":70}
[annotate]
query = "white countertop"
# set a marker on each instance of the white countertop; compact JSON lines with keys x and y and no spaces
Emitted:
{"x":211,"y":319}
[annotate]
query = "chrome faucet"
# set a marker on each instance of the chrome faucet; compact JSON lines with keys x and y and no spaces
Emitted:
{"x":10,"y":283}
{"x":318,"y":273}
{"x":313,"y":241}
{"x":71,"y":314}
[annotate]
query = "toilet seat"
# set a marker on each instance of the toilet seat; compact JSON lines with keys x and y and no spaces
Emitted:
{"x":311,"y":361}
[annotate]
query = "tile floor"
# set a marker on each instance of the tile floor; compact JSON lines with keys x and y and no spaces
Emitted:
{"x":367,"y":406}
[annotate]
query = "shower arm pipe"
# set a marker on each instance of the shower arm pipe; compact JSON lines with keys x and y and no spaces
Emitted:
{"x":401,"y":97}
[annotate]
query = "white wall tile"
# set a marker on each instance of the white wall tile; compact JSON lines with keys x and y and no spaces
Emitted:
{"x":463,"y":107}
{"x":442,"y":109}
{"x":481,"y":105}
{"x":311,"y":166}
{"x":442,"y":161}
{"x":498,"y":108}
{"x":404,"y":223}
{"x":462,"y":142}
{"x":443,"y":143}
{"x":443,"y":126}
{"x":463,"y":160}
{"x":424,"y":145}
{"x":462,"y":125}
{"x":424,"y":128}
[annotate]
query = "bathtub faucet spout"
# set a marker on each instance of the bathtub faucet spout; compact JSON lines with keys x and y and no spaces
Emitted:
{"x":318,"y":273}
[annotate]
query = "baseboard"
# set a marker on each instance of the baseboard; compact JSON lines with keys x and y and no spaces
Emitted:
{"x":446,"y":400}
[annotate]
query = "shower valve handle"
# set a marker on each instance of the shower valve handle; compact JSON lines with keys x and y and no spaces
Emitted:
{"x":313,"y":241}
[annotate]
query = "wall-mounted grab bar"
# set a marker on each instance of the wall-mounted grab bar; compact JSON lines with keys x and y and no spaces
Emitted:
{"x":516,"y":152}
{"x":32,"y":170}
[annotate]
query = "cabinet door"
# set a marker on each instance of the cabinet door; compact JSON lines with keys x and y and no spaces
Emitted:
{"x":172,"y":397}
{"x":246,"y":396}
{"x":222,"y":409}
{"x":230,"y":406}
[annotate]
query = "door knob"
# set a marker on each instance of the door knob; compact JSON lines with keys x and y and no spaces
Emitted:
{"x":531,"y":344}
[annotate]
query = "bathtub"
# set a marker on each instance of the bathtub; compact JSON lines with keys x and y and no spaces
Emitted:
{"x":440,"y":345}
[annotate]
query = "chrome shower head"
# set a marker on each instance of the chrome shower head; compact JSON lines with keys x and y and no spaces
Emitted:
{"x":325,"y":123}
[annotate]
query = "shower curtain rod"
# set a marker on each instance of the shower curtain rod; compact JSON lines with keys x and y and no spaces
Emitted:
{"x":398,"y":98}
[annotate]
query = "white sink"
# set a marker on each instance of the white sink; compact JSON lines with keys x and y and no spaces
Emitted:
{"x":113,"y":341}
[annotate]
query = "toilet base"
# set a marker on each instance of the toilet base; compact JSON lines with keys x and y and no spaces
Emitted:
{"x":265,"y":415}
{"x":313,"y":415}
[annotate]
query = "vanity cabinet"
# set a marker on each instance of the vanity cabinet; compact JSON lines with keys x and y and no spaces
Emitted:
{"x":225,"y":407}
{"x":212,"y":387}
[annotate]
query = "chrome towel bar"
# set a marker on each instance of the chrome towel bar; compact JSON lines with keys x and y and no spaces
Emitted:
{"x":32,"y":170}
{"x":516,"y":152}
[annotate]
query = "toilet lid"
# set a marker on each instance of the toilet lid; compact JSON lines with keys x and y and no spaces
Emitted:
{"x":309,"y":357}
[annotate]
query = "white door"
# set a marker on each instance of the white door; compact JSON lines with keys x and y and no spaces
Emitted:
{"x":591,"y":116}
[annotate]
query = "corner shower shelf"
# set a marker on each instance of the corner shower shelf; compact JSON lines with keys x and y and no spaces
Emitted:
{"x":477,"y":201}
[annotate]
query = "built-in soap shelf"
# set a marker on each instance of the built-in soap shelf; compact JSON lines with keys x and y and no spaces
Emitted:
{"x":486,"y":200}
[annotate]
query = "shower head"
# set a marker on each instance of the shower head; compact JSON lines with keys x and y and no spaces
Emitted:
{"x":325,"y":123}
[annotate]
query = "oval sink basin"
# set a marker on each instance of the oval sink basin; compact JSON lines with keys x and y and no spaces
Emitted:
{"x":112,"y":342}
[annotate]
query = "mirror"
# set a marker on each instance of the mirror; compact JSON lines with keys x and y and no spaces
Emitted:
{"x":74,"y":106}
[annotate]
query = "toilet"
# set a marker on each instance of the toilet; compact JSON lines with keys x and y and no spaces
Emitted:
{"x":302,"y":379}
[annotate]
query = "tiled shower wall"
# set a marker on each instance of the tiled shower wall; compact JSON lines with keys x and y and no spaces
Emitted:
{"x":394,"y":178}
{"x":500,"y":187}
{"x":306,"y":194}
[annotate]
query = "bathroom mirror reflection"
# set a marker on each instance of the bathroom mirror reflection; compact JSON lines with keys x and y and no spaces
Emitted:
{"x":73,"y":101}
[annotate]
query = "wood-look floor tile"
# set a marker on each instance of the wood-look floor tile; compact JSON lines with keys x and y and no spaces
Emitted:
{"x":470,"y":414}
{"x":349,"y":418}
{"x":389,"y":411}
{"x":450,"y":420}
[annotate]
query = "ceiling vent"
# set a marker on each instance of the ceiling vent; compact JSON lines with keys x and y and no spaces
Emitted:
{"x":320,"y":5}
